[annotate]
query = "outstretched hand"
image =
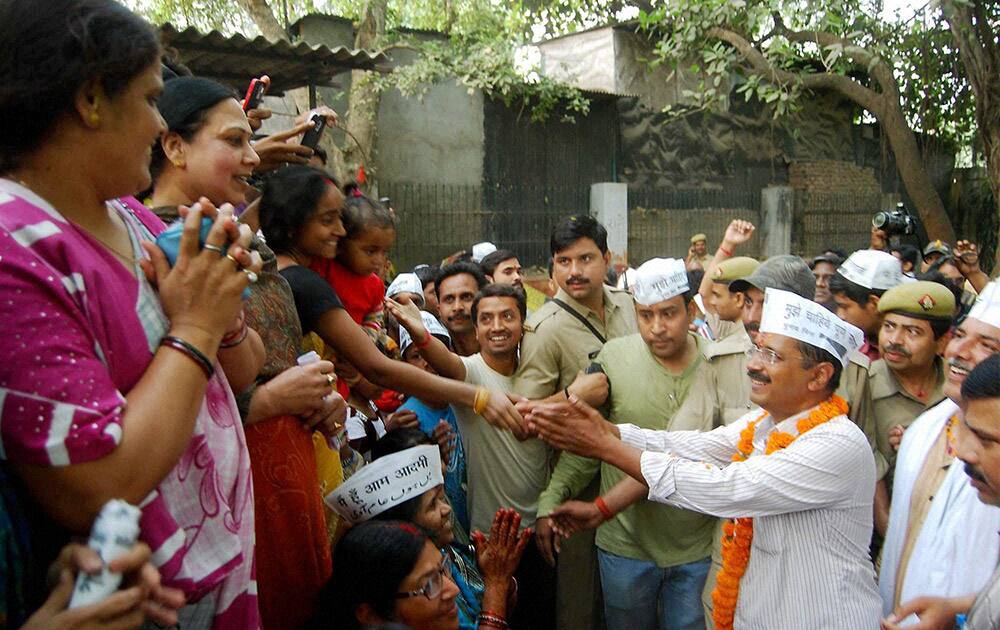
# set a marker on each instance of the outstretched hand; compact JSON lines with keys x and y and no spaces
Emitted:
{"x":738,"y":233}
{"x":575,"y":516}
{"x":572,"y":426}
{"x":501,"y":412}
{"x":408,"y":316}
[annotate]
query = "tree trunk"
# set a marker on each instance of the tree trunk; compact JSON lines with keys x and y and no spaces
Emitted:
{"x":980,"y":54}
{"x":910,"y":165}
{"x":260,"y":12}
{"x":362,"y":115}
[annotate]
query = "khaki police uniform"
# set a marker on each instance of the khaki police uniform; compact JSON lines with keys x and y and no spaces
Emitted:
{"x":555,"y":348}
{"x":893,"y":405}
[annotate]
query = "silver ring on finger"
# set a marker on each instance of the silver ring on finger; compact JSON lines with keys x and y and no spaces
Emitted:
{"x":251,"y":276}
{"x":214,"y":248}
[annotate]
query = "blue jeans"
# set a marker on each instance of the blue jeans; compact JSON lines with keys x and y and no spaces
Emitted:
{"x":640,"y":595}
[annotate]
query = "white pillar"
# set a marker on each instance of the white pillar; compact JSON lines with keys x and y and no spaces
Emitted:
{"x":776,"y":208}
{"x":609,"y":205}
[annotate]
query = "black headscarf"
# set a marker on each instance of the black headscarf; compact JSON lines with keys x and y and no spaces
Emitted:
{"x":184,"y":97}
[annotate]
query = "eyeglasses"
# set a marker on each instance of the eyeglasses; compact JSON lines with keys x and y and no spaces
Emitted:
{"x":766,"y":355}
{"x":434,"y":585}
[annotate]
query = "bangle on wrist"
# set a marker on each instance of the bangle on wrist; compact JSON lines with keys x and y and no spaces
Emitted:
{"x":423,"y":343}
{"x":727,"y":252}
{"x":191,"y":352}
{"x":492,"y":619}
{"x":236,"y":337}
{"x":481,"y":400}
{"x":602,"y":507}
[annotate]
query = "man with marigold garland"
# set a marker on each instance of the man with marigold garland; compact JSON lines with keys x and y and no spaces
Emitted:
{"x":796,"y":478}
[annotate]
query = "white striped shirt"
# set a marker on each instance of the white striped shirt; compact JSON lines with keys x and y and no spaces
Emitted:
{"x":812,"y":508}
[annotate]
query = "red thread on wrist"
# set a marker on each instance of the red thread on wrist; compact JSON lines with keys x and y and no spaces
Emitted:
{"x":727,"y":252}
{"x":423,"y":343}
{"x":602,"y":507}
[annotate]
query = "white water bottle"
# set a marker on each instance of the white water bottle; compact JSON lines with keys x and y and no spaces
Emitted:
{"x":113,"y":534}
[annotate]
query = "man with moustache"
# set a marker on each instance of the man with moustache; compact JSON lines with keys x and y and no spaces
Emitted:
{"x":649,"y":580}
{"x":824,"y":267}
{"x":503,"y":267}
{"x":456,"y":287}
{"x":909,"y":378}
{"x":976,"y":438}
{"x":799,"y":468}
{"x":504,"y":471}
{"x":561,"y":338}
{"x":942,"y":541}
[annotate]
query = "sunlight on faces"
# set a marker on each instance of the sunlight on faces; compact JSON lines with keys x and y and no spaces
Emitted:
{"x":218,"y":160}
{"x":864,"y":317}
{"x":455,"y":296}
{"x":508,"y":272}
{"x":908,"y":343}
{"x":498,"y":325}
{"x":434,"y":514}
{"x":972,"y":342}
{"x":977,"y":443}
{"x":130,"y":126}
{"x":320,"y":235}
{"x":420,"y":613}
{"x":367,"y":252}
{"x":727,"y":304}
{"x":580,"y":269}
{"x":780,"y":388}
{"x":664,"y":326}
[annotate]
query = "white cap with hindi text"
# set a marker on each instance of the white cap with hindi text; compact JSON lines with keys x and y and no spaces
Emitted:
{"x":406,"y":283}
{"x":659,"y":279}
{"x":987,"y":306}
{"x":788,"y":314}
{"x":872,"y":269}
{"x":387,"y":482}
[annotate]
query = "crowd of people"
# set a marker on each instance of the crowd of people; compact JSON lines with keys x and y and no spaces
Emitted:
{"x":204,"y":323}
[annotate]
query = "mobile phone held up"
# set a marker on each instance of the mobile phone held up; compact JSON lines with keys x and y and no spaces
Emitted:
{"x":255,"y":92}
{"x":169,"y":241}
{"x":311,"y":137}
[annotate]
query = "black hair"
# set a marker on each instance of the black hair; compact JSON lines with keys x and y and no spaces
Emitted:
{"x":490,"y":262}
{"x":50,"y":50}
{"x":852,"y":290}
{"x":501,"y":290}
{"x":572,"y":229}
{"x":427,"y":274}
{"x":363,"y":213}
{"x":836,"y":251}
{"x":184,"y":105}
{"x":393,"y":442}
{"x":321,"y":154}
{"x":455,"y":269}
{"x":983,"y":381}
{"x":908,"y":253}
{"x":815,"y":355}
{"x":933,"y":274}
{"x":695,"y":276}
{"x":289,"y":199}
{"x":369,"y":564}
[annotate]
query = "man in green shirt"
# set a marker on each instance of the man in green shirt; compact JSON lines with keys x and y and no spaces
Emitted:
{"x":909,"y":378}
{"x":653,"y":558}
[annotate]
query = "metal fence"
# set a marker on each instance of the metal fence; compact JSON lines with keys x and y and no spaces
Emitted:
{"x":437,"y":220}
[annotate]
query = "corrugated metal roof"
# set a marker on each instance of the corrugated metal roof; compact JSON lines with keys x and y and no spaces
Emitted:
{"x":234,"y":59}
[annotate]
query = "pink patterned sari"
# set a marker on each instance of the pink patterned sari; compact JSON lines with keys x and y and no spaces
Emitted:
{"x":78,"y":332}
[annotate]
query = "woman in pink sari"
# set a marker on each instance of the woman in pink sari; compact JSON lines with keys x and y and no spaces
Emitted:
{"x":112,"y":383}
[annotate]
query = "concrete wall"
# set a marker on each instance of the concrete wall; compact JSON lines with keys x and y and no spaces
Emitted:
{"x":437,"y":138}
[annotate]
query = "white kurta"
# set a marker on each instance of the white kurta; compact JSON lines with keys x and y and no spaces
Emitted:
{"x":812,"y":508}
{"x":958,"y":547}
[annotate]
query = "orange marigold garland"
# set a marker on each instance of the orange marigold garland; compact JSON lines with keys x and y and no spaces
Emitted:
{"x":949,"y":432}
{"x":737,"y":533}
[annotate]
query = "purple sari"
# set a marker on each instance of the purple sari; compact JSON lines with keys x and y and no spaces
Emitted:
{"x":79,"y":332}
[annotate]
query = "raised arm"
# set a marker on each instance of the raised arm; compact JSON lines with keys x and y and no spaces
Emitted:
{"x":438,"y":356}
{"x":738,"y":233}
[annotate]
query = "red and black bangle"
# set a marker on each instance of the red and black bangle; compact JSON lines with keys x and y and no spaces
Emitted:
{"x":235,"y":338}
{"x":191,"y":352}
{"x":426,"y":341}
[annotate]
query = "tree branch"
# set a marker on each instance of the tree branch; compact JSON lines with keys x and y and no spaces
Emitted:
{"x":860,"y":57}
{"x":865,"y":97}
